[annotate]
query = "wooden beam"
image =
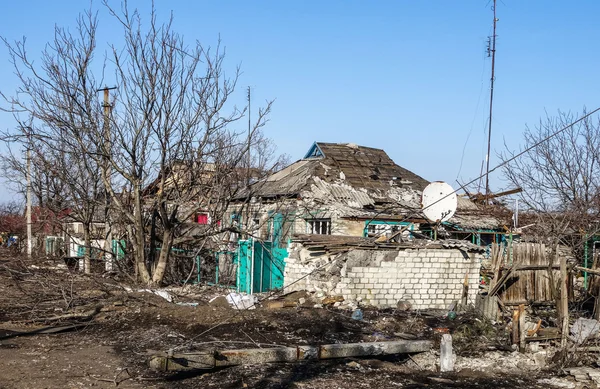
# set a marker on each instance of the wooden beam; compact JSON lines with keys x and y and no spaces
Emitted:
{"x":584,"y":269}
{"x":564,"y":302}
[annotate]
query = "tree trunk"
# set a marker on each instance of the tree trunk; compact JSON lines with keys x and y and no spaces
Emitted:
{"x":161,"y":266}
{"x":87,"y":243}
{"x":137,"y":239}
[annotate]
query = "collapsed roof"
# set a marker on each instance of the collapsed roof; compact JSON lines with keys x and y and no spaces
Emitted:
{"x":358,"y":181}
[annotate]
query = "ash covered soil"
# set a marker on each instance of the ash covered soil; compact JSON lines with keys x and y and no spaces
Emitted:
{"x":119,"y":326}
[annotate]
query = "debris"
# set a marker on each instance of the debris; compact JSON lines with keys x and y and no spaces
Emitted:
{"x":81,"y":316}
{"x":403,"y":335}
{"x":332,"y":300}
{"x":242,"y":301}
{"x":403,"y":305}
{"x":584,"y":329}
{"x":584,"y":374}
{"x":222,"y":358}
{"x":7,"y":334}
{"x":357,"y":314}
{"x":446,"y":354}
{"x":274,"y":304}
{"x":219,"y":301}
{"x":535,"y":329}
{"x":354,"y":365}
{"x":440,"y":380}
{"x":188,"y":304}
{"x":159,"y":292}
{"x":557,"y":383}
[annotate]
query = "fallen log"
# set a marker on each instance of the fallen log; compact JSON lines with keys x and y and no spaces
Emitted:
{"x":222,"y":358}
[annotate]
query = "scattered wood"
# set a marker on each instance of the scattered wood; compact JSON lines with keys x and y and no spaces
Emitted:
{"x":535,"y":329}
{"x":537,"y":267}
{"x":564,"y":302}
{"x":81,"y":316}
{"x":587,"y":270}
{"x":515,"y":327}
{"x":502,"y":280}
{"x":522,"y":328}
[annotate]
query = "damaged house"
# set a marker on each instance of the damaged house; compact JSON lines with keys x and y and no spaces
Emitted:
{"x":351,"y":190}
{"x":355,"y":196}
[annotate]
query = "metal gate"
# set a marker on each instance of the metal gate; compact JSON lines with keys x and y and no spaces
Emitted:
{"x":260,"y":266}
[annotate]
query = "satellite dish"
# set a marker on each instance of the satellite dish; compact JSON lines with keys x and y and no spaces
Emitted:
{"x":439,"y":202}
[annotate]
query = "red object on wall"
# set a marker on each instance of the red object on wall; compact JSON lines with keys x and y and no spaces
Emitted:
{"x":202,"y":218}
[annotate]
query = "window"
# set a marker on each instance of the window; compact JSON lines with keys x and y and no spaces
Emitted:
{"x":202,"y":218}
{"x":380,"y":229}
{"x":318,"y":226}
{"x":376,"y":228}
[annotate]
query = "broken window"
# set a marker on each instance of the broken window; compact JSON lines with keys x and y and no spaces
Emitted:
{"x":318,"y":226}
{"x":376,"y":229}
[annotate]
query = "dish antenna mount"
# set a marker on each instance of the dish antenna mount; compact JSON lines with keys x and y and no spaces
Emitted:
{"x":439,"y":202}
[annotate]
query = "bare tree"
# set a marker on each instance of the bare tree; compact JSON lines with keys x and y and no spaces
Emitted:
{"x":171,"y":147}
{"x":560,"y":176}
{"x":59,"y":98}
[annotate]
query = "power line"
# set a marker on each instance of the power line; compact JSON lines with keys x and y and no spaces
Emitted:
{"x":518,"y":155}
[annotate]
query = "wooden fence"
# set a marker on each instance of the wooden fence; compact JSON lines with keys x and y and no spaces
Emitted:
{"x":523,"y":273}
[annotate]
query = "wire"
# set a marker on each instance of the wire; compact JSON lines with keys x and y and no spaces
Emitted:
{"x":406,"y":218}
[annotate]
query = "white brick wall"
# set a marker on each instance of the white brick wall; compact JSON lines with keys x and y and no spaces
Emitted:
{"x":428,"y":278}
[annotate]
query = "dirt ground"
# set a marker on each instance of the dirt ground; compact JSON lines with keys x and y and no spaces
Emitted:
{"x":118,"y":326}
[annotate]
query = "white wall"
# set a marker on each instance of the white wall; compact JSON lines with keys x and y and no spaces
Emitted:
{"x":427,"y":278}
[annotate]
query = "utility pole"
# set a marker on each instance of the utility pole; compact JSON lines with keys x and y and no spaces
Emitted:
{"x":28,"y":195}
{"x":108,"y":250}
{"x":491,"y":50}
{"x":249,"y":136}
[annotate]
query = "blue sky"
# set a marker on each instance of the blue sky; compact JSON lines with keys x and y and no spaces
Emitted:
{"x":410,"y":77}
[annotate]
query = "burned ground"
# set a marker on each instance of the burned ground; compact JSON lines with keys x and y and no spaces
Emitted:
{"x":119,"y":325}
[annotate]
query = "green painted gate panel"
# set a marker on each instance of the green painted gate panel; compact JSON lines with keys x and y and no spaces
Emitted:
{"x":262,"y":271}
{"x":267,"y":269}
{"x":243,"y":268}
{"x":278,"y":266}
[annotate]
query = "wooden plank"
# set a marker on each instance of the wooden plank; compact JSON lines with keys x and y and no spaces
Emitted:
{"x":515,"y":327}
{"x":522,"y":329}
{"x":564,"y":301}
{"x":591,"y":271}
{"x":536,"y":267}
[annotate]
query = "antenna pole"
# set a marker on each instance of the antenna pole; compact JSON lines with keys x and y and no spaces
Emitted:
{"x":249,"y":134}
{"x":491,"y":51}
